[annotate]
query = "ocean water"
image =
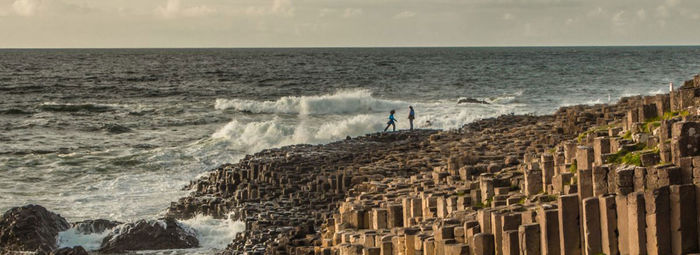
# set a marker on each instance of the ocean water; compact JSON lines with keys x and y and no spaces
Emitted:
{"x":116,"y":133}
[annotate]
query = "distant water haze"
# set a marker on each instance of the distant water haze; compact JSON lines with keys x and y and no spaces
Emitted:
{"x":116,"y":134}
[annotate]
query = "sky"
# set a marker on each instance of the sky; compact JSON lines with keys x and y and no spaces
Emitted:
{"x":345,"y":23}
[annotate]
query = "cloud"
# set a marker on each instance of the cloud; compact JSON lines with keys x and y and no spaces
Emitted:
{"x":642,"y":14}
{"x":595,"y":12}
{"x":405,"y":15}
{"x":618,"y":19}
{"x":352,"y":12}
{"x":26,"y":7}
{"x":325,"y":12}
{"x":508,"y":16}
{"x":672,"y":2}
{"x":278,"y":7}
{"x":174,"y":9}
{"x":662,"y":11}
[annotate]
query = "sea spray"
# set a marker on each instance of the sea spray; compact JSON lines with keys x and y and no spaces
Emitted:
{"x":342,"y":102}
{"x":255,"y":136}
{"x":73,"y":237}
{"x":214,"y":233}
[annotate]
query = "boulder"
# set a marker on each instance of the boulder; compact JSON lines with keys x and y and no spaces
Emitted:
{"x":471,"y":101}
{"x":116,"y":128}
{"x":30,"y":228}
{"x":159,"y":234}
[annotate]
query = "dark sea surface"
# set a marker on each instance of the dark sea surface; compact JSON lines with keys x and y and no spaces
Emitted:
{"x":116,"y":133}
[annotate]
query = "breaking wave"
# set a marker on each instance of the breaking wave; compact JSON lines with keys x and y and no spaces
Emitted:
{"x":342,"y":102}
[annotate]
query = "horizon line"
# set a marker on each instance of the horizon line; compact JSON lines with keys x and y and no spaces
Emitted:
{"x":358,"y":47}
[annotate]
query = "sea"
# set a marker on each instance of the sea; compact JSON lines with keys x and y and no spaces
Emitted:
{"x":117,"y":133}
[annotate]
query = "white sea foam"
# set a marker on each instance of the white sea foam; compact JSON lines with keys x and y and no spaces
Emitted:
{"x":280,"y":130}
{"x":254,"y":136}
{"x":72,"y":237}
{"x":342,"y":102}
{"x":214,"y":233}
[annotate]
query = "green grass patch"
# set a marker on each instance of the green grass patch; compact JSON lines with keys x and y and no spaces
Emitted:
{"x":573,"y":168}
{"x":627,"y":135}
{"x":549,"y":198}
{"x":484,"y":205}
{"x":651,"y":124}
{"x":583,"y":135}
{"x":522,"y":200}
{"x":657,"y":118}
{"x":671,"y":115}
{"x":629,"y":157}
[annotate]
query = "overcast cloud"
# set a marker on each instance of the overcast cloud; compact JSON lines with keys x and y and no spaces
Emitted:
{"x":311,"y":23}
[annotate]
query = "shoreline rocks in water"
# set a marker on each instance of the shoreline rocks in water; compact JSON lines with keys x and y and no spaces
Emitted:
{"x":470,"y":100}
{"x":33,"y":229}
{"x":30,"y":228}
{"x":159,"y":234}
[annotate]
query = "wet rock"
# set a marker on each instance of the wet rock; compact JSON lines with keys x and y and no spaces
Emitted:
{"x":76,"y":250}
{"x":116,"y":128}
{"x":159,"y":234}
{"x":470,"y":100}
{"x":30,"y":228}
{"x":95,"y":226}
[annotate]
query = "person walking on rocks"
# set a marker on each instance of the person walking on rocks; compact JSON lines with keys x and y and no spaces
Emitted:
{"x":392,"y":121}
{"x":411,"y":116}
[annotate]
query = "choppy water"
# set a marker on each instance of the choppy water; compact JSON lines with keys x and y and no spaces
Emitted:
{"x":116,"y":133}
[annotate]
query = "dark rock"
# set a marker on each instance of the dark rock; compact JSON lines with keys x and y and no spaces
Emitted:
{"x":471,"y":101}
{"x":95,"y":226}
{"x":30,"y":228}
{"x":77,"y":250}
{"x":159,"y":234}
{"x":116,"y":128}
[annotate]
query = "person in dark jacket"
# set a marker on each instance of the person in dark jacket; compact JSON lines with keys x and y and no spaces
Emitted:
{"x":411,"y":116}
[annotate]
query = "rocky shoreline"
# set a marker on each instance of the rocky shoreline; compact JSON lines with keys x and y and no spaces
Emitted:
{"x":586,"y":179}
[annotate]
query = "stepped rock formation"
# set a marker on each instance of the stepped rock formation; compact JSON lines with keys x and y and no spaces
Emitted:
{"x":612,"y":179}
{"x":600,"y":179}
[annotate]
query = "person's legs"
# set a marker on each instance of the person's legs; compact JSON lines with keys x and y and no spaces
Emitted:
{"x":411,"y":121}
{"x":387,"y":127}
{"x":393,"y":126}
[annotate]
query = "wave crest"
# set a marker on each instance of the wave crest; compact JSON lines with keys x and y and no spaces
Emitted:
{"x":342,"y":102}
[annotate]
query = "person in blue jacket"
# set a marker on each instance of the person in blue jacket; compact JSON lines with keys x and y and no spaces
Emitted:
{"x":392,"y":121}
{"x":411,"y":116}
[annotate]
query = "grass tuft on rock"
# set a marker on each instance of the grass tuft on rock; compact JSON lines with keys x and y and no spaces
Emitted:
{"x":573,"y":168}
